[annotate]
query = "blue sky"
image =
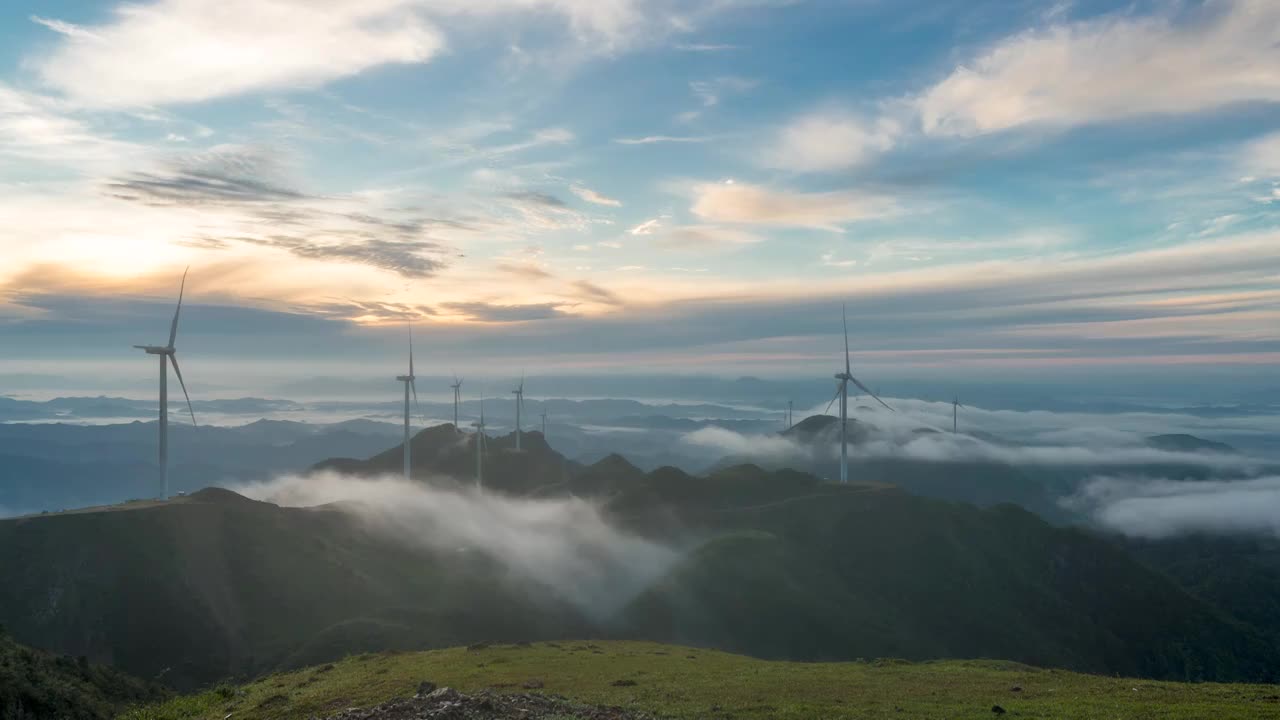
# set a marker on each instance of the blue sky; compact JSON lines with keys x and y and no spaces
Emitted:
{"x":633,"y":185}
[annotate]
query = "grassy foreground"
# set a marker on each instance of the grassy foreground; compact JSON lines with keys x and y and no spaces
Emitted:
{"x":692,"y":683}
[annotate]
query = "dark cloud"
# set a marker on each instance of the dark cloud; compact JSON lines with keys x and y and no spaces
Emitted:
{"x":349,"y":309}
{"x":488,"y":312}
{"x":246,"y":180}
{"x":537,"y":198}
{"x":409,"y":258}
{"x":221,"y":176}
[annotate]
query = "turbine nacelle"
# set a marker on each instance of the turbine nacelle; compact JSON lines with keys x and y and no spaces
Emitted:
{"x":156,"y":349}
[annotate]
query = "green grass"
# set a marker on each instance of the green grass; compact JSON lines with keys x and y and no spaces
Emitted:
{"x":691,"y":683}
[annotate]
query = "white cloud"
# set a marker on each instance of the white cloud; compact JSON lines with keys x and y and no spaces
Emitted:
{"x":654,"y":139}
{"x":64,"y":28}
{"x":1260,"y":157}
{"x":1112,"y":68}
{"x":566,"y":545}
{"x":183,"y":51}
{"x":1165,"y":508}
{"x":830,"y":140}
{"x":592,"y":196}
{"x":647,"y":227}
{"x":754,"y":204}
{"x":177,"y":51}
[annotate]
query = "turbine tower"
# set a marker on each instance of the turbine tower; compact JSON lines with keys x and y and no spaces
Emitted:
{"x":457,"y":399}
{"x":842,"y":393}
{"x":790,"y":420}
{"x":955,"y":415}
{"x":519,"y":393}
{"x":544,"y":423}
{"x":480,"y":438}
{"x":168,"y":354}
{"x":409,"y":384}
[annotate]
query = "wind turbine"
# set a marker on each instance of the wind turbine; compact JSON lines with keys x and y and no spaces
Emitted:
{"x":842,"y":393}
{"x":480,"y":439}
{"x":457,"y":398}
{"x":544,"y":423}
{"x":955,"y":415}
{"x":519,"y":393}
{"x":168,"y":354}
{"x":790,"y":422}
{"x":409,"y":383}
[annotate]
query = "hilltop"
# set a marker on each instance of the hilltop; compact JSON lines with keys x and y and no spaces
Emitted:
{"x":618,"y":680}
{"x":35,"y":684}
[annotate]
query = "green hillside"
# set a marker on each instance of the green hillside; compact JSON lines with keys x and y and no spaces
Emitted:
{"x":215,"y":585}
{"x":775,"y":564}
{"x":36,"y":685}
{"x":682,"y":682}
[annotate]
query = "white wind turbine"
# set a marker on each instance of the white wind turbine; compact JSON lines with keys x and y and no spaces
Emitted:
{"x":480,"y":442}
{"x":457,"y":398}
{"x":955,"y":415}
{"x":409,"y":384}
{"x":168,"y":354}
{"x":842,"y":393}
{"x":519,"y":393}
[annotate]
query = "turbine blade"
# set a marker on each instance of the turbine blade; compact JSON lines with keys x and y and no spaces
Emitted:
{"x":173,"y":328}
{"x":844,"y":318}
{"x":411,"y":351}
{"x":174,"y":359}
{"x":867,"y":391}
{"x":833,"y":399}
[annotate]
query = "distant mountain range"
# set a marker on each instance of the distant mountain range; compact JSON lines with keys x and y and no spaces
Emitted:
{"x":57,"y":466}
{"x":775,"y":563}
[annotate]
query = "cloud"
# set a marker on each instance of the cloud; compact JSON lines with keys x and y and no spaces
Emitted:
{"x":413,"y":259}
{"x":654,"y":139}
{"x":592,"y":196}
{"x":646,"y":228}
{"x":543,"y":211}
{"x":490,"y":312}
{"x":37,"y":129}
{"x":524,"y":270}
{"x":1112,"y":68}
{"x":828,"y":140}
{"x":224,"y":174}
{"x":65,"y":28}
{"x":829,"y":259}
{"x":759,"y":205}
{"x":1162,"y":508}
{"x":1260,"y":156}
{"x":709,"y":92}
{"x":566,"y":545}
{"x":596,"y":293}
{"x":182,"y":51}
{"x":245,"y":187}
{"x":897,"y":437}
{"x":692,"y":236}
{"x":705,"y":47}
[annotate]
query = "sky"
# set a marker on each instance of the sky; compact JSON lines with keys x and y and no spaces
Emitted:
{"x":1000,"y":188}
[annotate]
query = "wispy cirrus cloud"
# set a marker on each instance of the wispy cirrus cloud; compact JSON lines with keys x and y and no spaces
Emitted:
{"x":594,"y":197}
{"x":734,"y":202}
{"x":656,"y":139}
